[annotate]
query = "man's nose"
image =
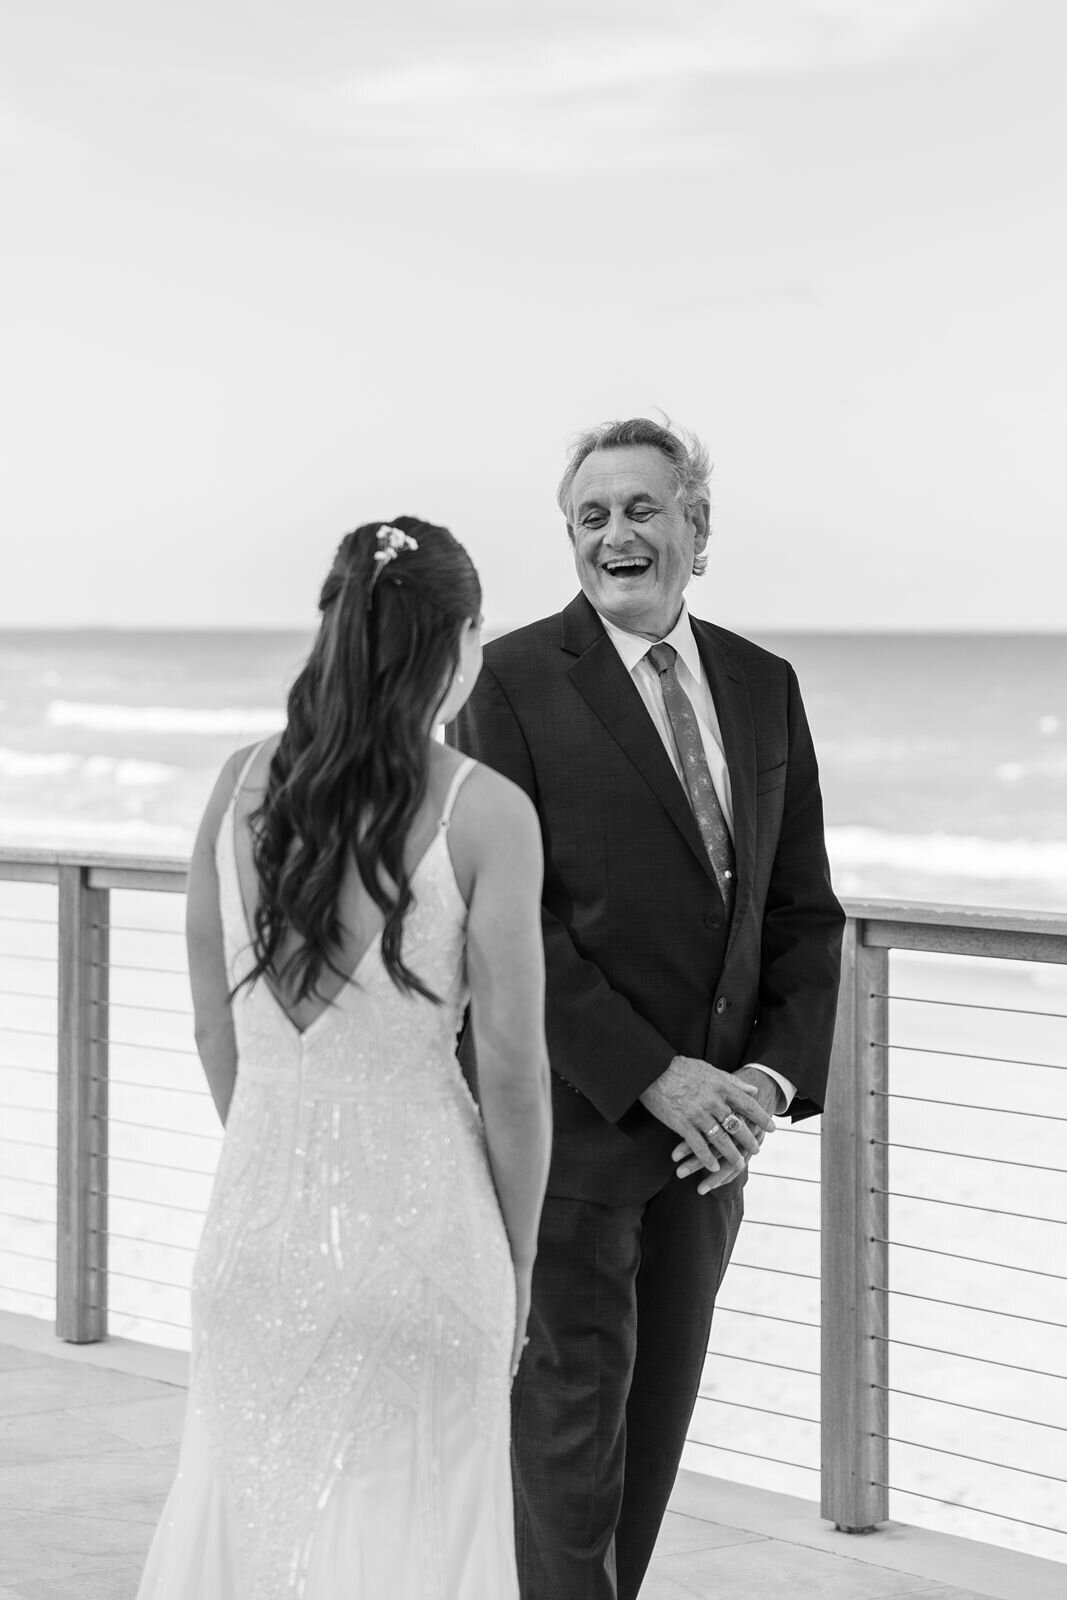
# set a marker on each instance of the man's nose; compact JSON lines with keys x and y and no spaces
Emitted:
{"x":617,"y":531}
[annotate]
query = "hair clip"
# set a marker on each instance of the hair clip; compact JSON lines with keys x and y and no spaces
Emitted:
{"x":390,"y":543}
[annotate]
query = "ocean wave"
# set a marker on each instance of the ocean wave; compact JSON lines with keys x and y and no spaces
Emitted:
{"x":91,"y":833}
{"x":36,"y":763}
{"x":163,"y":719}
{"x":948,"y":854}
{"x":125,"y":771}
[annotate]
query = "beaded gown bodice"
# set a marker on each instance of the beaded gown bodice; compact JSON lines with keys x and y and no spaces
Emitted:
{"x":353,"y":1282}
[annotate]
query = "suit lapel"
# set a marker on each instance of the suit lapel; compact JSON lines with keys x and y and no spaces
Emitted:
{"x":604,"y":683}
{"x":729,"y":690}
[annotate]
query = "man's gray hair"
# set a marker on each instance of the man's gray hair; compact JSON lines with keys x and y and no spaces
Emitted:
{"x":687,"y":455}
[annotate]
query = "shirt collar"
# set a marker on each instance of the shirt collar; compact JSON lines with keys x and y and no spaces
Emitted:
{"x":633,"y":647}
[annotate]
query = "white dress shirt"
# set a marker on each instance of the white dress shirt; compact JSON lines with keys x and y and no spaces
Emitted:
{"x":633,"y":650}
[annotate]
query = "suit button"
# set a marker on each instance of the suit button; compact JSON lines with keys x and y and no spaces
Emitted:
{"x":720,"y":1005}
{"x":712,"y":920}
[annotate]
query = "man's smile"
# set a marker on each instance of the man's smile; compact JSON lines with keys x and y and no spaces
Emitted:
{"x":627,"y":566}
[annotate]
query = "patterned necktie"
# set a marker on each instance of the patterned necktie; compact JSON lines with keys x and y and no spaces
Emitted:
{"x":694,"y":763}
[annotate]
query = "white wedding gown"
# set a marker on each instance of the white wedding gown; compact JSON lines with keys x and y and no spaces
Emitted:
{"x":353,"y":1298}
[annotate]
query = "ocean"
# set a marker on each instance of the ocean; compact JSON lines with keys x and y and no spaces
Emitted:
{"x":943,"y":756}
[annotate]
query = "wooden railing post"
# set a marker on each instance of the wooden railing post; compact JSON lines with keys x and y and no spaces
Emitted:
{"x":81,"y":1200}
{"x":855,"y":1359}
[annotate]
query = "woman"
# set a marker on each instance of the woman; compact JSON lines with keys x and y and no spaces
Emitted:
{"x":362,"y":1286}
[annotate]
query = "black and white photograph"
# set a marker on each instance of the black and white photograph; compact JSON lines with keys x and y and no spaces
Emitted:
{"x":533,"y":800}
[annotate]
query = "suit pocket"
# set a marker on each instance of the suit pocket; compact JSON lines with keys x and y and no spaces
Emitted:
{"x":772,"y":778}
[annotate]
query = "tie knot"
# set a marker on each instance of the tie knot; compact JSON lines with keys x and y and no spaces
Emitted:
{"x":662,"y":657}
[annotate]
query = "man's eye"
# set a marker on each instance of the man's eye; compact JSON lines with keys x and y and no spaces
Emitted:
{"x":642,"y":514}
{"x":593,"y":520}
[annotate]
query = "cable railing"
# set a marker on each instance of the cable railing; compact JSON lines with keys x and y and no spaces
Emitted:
{"x":890,"y":1330}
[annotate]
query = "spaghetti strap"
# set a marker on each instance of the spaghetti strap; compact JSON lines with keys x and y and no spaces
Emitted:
{"x":245,"y":770}
{"x":459,"y":778}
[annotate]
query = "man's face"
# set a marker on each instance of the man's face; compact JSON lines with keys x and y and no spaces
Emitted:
{"x":634,"y":543}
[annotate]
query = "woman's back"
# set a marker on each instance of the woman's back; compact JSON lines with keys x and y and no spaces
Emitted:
{"x":358,"y":1000}
{"x":359,"y":916}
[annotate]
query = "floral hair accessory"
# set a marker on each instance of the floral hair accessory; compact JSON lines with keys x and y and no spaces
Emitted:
{"x":390,"y":543}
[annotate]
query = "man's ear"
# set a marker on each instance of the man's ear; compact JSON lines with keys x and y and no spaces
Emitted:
{"x":570,"y":532}
{"x":701,"y":518}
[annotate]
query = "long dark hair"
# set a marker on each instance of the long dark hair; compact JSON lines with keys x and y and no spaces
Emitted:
{"x":350,"y":771}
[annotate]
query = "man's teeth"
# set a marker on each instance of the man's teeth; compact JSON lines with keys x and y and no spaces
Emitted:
{"x":632,"y":564}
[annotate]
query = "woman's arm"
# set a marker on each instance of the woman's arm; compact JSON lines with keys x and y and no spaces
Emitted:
{"x":212,"y":1017}
{"x":496,"y":829}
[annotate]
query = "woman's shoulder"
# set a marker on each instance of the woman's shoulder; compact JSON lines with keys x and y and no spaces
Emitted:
{"x":484,"y":793}
{"x":494,"y":822}
{"x":241,"y":764}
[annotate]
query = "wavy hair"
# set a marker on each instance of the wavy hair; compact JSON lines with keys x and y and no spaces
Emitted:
{"x":687,"y":455}
{"x":350,"y":771}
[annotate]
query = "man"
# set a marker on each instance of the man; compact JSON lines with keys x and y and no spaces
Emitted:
{"x":692,"y":945}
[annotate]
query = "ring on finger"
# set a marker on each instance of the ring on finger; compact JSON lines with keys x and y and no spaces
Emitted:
{"x":732,"y":1122}
{"x":716,"y":1128}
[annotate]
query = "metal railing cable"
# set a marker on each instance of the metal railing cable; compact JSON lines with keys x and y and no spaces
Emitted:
{"x":978,"y":1261}
{"x":961,"y":1505}
{"x":755,"y":1455}
{"x":28,"y":1144}
{"x":158,"y":1088}
{"x":971,"y":1005}
{"x":966,"y":1405}
{"x":764,"y":1411}
{"x":967,"y":1055}
{"x":964,"y":1355}
{"x":969,"y":1155}
{"x":142,"y":1316}
{"x":139,"y":1044}
{"x":156,"y":1127}
{"x":154,"y":972}
{"x":760,"y":1361}
{"x":27,"y":1255}
{"x":159,"y":1205}
{"x":162,"y":1244}
{"x":765,"y":1316}
{"x":793,"y":1227}
{"x":787,"y":1272}
{"x":20,"y":1216}
{"x":962,"y":1305}
{"x":954,"y":1105}
{"x":966,"y":1205}
{"x":963,"y":1455}
{"x":164,"y":1011}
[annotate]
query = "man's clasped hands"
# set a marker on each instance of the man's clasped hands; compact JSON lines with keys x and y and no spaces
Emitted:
{"x":721,"y":1117}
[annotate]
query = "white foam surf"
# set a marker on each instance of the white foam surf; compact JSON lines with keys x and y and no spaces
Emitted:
{"x":235,"y":720}
{"x":948,"y":854}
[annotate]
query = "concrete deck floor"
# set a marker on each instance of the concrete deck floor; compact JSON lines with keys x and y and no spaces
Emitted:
{"x":88,"y":1443}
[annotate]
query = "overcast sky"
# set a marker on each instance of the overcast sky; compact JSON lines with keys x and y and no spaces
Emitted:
{"x":270,"y":270}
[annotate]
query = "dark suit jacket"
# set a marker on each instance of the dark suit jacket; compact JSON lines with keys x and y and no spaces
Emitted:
{"x":639,"y":965}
